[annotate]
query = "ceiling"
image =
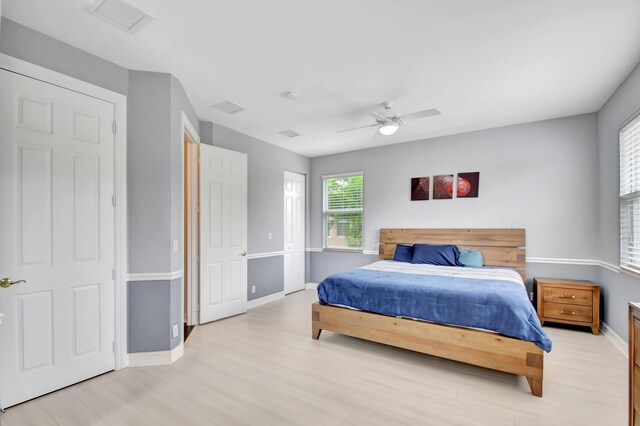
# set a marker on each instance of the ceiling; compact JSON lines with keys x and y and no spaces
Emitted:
{"x":481,"y":63}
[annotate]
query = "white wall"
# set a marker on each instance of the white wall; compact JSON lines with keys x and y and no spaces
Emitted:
{"x":540,"y":176}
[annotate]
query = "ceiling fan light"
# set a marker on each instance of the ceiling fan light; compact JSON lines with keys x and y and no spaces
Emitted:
{"x":388,"y":129}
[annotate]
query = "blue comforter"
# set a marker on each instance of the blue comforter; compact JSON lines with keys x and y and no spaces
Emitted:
{"x":492,"y":304}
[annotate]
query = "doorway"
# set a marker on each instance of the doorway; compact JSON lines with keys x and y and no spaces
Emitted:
{"x":223,"y":233}
{"x":61,"y":304}
{"x":191,"y":225}
{"x":294,"y":231}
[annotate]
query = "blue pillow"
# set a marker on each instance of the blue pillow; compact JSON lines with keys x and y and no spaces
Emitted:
{"x":403,"y":253}
{"x":436,"y":255}
{"x":471,"y":258}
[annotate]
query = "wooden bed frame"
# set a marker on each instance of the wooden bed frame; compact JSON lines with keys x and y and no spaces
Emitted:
{"x":500,"y":247}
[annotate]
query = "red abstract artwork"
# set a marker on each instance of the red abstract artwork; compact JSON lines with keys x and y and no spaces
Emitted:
{"x":419,"y":188}
{"x":443,"y":187}
{"x":468,"y":185}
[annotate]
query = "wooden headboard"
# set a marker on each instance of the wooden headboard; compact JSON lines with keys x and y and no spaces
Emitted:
{"x":499,"y":247}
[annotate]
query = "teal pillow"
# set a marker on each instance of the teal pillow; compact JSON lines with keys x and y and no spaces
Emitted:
{"x":471,"y":258}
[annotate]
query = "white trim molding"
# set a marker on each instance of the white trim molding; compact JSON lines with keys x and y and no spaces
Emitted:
{"x":560,"y":261}
{"x":549,"y":260}
{"x":266,"y":254}
{"x":119,"y":102}
{"x":155,"y":276}
{"x":146,"y":359}
{"x":190,"y":242}
{"x":614,"y":338}
{"x":357,"y":251}
{"x":265,"y":299}
{"x":310,"y":286}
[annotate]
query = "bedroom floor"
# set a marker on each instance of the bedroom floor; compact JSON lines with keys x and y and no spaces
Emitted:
{"x":264,"y":368}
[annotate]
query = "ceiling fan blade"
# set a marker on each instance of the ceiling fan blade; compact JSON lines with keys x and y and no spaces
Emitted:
{"x":381,"y":116}
{"x":420,"y":114}
{"x":357,"y":128}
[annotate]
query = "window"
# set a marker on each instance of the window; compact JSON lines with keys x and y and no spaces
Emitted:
{"x":342,"y":211}
{"x":630,"y":195}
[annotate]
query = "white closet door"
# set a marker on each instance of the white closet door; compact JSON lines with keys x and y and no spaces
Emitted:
{"x":223,"y":233}
{"x":57,"y":233}
{"x":294,"y":232}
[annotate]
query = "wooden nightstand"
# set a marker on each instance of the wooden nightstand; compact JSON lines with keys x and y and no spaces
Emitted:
{"x":568,"y":301}
{"x":634,"y":363}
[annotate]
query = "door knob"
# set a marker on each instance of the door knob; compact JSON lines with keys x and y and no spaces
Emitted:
{"x":8,"y":282}
{"x":244,"y":253}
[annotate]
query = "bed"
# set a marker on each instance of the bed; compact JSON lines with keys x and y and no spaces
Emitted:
{"x":374,"y":318}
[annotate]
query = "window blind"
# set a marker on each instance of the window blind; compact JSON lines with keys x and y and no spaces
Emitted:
{"x":630,"y":195}
{"x":342,"y":211}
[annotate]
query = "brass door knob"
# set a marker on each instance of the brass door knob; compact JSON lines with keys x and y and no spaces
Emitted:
{"x":244,"y":253}
{"x":8,"y":282}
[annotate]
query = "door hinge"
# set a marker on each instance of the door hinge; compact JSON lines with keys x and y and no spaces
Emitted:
{"x":113,"y":274}
{"x":198,"y":308}
{"x":198,"y":259}
{"x":113,"y":346}
{"x":113,"y":200}
{"x":114,"y":127}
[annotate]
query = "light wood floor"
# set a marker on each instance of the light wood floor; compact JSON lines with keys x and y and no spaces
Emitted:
{"x":263,"y":368}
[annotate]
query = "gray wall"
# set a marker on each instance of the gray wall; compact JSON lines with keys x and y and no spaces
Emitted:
{"x":31,"y":46}
{"x":617,"y":288}
{"x":540,"y":176}
{"x":149,"y":326}
{"x":266,"y":166}
{"x":327,"y":263}
{"x":148,"y":172}
{"x":148,"y":322}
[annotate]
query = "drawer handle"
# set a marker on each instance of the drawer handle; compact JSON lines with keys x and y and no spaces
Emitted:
{"x":568,"y":313}
{"x":562,"y":296}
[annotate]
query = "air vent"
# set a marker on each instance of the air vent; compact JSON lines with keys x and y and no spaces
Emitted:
{"x":289,"y":133}
{"x":228,"y":107}
{"x":120,"y":14}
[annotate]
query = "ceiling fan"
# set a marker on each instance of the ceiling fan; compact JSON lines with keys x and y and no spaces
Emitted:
{"x":390,"y":122}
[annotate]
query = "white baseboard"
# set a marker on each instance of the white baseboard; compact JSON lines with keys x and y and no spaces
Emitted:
{"x":310,"y":286}
{"x":614,"y":338}
{"x":265,"y":299}
{"x":146,"y":359}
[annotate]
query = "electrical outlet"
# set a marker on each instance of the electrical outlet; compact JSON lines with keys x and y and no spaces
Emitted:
{"x":253,"y":289}
{"x":176,"y":246}
{"x":176,"y":332}
{"x":531,"y":296}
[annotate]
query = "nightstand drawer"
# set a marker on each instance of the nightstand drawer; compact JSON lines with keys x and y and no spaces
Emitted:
{"x":568,"y":312}
{"x":569,"y":296}
{"x":636,"y":389}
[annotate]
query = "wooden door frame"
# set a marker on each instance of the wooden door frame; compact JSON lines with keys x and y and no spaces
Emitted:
{"x":191,"y":268}
{"x":304,"y":206}
{"x":119,"y":102}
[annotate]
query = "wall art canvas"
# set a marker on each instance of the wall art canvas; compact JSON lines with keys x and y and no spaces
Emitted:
{"x":468,"y":185}
{"x":443,"y":187}
{"x":419,"y":188}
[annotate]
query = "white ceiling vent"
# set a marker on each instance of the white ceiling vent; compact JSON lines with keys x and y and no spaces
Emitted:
{"x":120,"y":14}
{"x":289,"y":133}
{"x":228,"y":107}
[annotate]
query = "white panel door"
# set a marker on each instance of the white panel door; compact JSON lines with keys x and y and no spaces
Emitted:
{"x":294,"y":232}
{"x":57,"y":233}
{"x":223,"y":233}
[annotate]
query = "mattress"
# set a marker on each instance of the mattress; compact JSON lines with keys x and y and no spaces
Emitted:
{"x":493,"y":299}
